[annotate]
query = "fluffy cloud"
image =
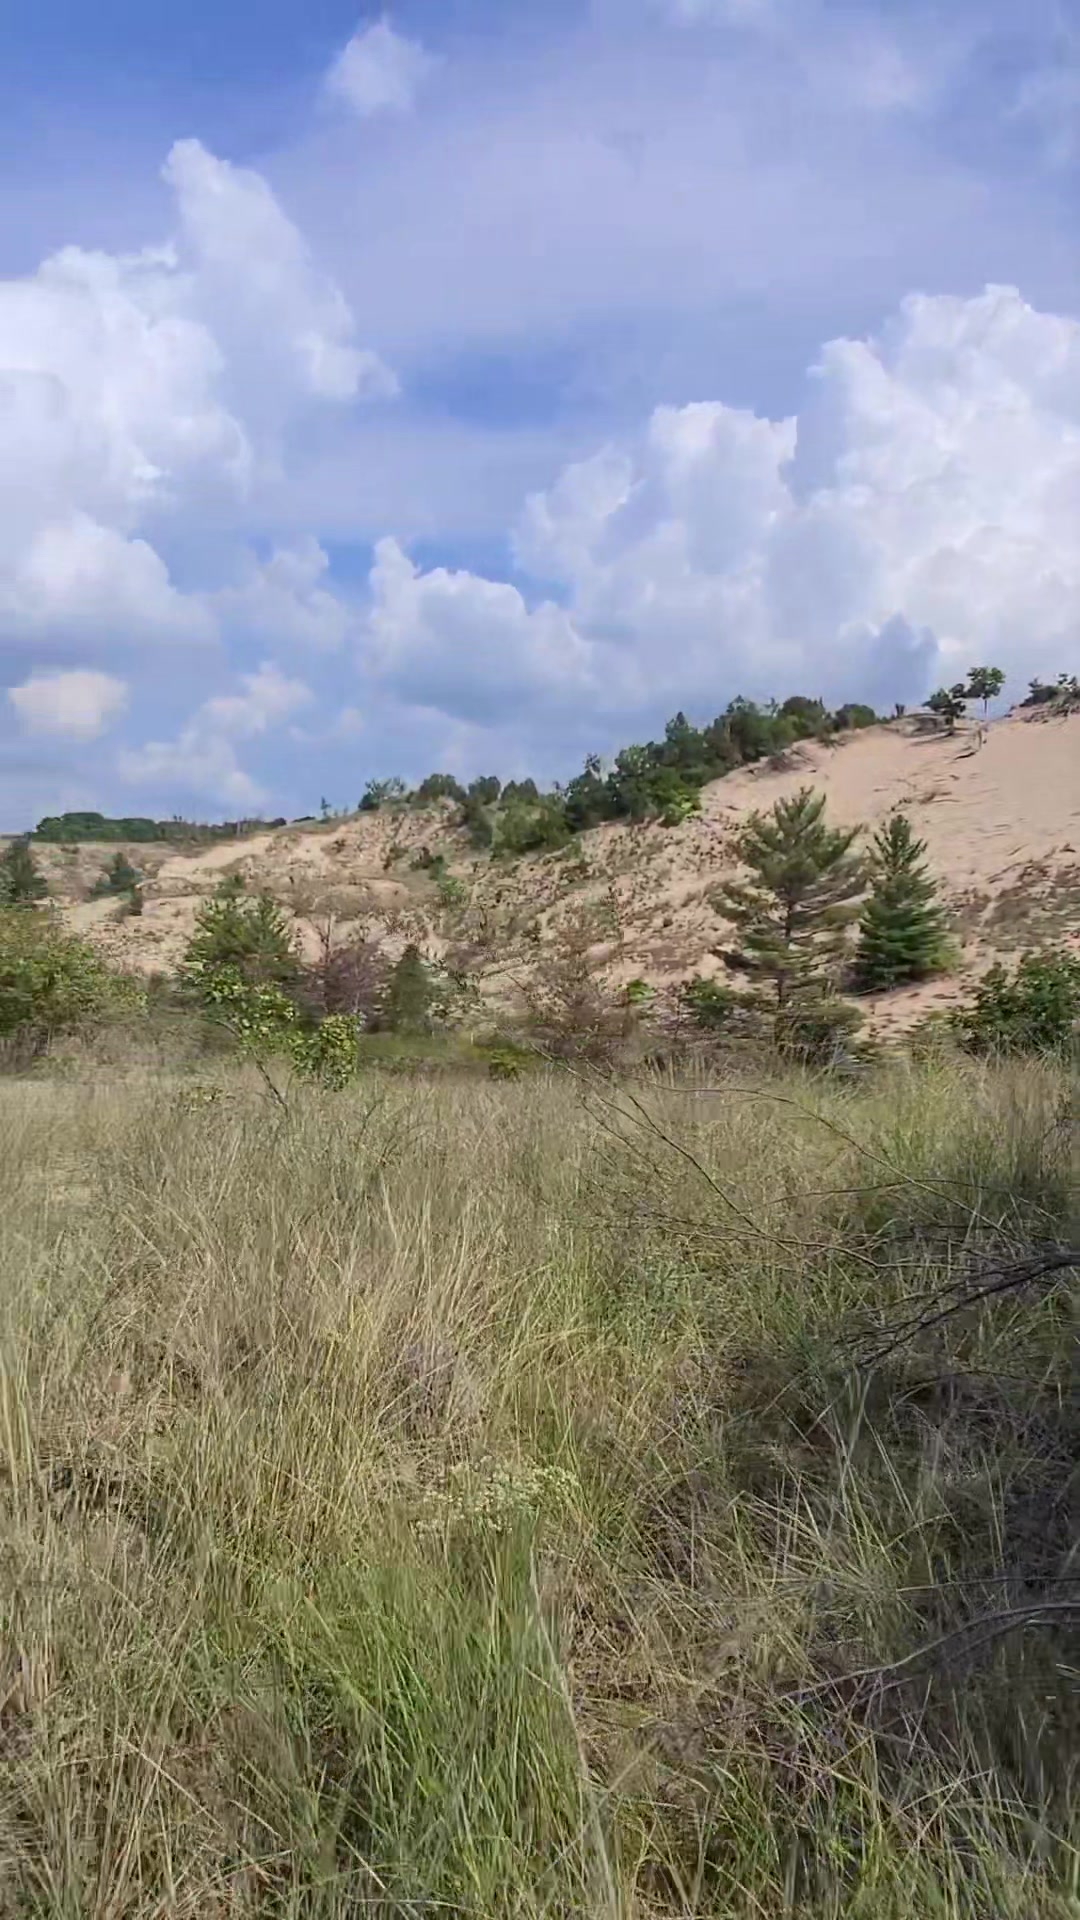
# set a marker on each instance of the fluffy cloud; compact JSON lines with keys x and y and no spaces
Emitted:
{"x":202,"y":758}
{"x":920,"y":514}
{"x":284,"y":599}
{"x":468,"y":646}
{"x":148,"y":391}
{"x":379,"y":70}
{"x":74,"y":706}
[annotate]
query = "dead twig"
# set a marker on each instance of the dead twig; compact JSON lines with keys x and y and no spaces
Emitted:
{"x":958,"y":1297}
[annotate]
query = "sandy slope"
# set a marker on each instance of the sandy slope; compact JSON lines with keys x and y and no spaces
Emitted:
{"x":1001,"y":823}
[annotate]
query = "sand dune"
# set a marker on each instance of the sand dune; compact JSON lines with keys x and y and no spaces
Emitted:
{"x":1001,"y":822}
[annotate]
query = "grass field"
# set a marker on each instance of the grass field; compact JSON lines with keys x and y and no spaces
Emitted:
{"x":466,"y":1500}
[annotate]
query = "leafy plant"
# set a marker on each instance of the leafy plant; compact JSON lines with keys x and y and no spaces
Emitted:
{"x":902,"y":929}
{"x":439,"y":786}
{"x":21,"y":883}
{"x":51,"y":982}
{"x":119,"y":877}
{"x":710,"y":1003}
{"x":1034,"y":1009}
{"x":382,"y":793}
{"x":949,"y":703}
{"x":985,"y":683}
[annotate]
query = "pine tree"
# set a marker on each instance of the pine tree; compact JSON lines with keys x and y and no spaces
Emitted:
{"x":793,"y":912}
{"x":245,"y":934}
{"x":409,"y":993}
{"x":902,"y":929}
{"x":21,"y":885}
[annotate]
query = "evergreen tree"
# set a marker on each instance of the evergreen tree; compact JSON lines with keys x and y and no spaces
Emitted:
{"x":409,"y":994}
{"x":21,"y":885}
{"x":247,"y":935}
{"x":902,"y":930}
{"x":793,"y":911}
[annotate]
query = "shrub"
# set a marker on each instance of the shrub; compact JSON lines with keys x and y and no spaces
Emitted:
{"x":532,"y":826}
{"x":710,"y":1003}
{"x":410,"y":993}
{"x":1035,"y":1009}
{"x":853,"y":715}
{"x":382,"y":793}
{"x":51,"y":982}
{"x":439,"y":786}
{"x":21,"y":884}
{"x":949,"y":703}
{"x":816,"y":1030}
{"x":119,"y":877}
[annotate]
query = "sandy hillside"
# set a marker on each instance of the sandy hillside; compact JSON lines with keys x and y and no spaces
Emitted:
{"x":1001,"y":823}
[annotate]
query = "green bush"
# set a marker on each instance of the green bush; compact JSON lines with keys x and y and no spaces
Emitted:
{"x":710,"y":1003}
{"x":53,"y":983}
{"x":119,"y":877}
{"x":1035,"y":1009}
{"x":21,"y":885}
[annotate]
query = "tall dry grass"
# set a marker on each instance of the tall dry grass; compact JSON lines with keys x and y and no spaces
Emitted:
{"x":466,"y":1501}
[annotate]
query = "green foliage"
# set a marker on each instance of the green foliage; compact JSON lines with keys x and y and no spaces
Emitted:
{"x":1034,"y":1009}
{"x":410,"y":994}
{"x":639,"y":993}
{"x":241,"y":934}
{"x":902,"y":929}
{"x":382,"y":793}
{"x":119,"y":877}
{"x":985,"y":683}
{"x":810,"y":718}
{"x":75,"y":828}
{"x":508,"y":1062}
{"x":792,"y":912}
{"x":853,"y":715}
{"x":439,"y":786}
{"x":949,"y":703}
{"x":816,"y":1030}
{"x":328,"y":1052}
{"x":532,"y":826}
{"x":710,"y":1003}
{"x":453,"y":892}
{"x":1064,"y":692}
{"x":21,"y":885}
{"x":485,"y":790}
{"x":52,"y":983}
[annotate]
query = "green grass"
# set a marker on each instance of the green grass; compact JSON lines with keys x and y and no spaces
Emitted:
{"x":460,"y":1499}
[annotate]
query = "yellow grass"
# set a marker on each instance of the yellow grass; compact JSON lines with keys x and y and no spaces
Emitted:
{"x":458,"y":1501}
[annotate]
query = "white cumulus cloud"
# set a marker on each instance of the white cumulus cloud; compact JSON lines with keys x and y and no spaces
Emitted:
{"x":147,"y":391}
{"x":77,"y":705}
{"x":285,"y":599}
{"x":379,"y":70}
{"x":917,"y":517}
{"x":202,"y":759}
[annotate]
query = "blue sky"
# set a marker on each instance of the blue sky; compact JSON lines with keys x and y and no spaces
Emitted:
{"x":473,"y":385}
